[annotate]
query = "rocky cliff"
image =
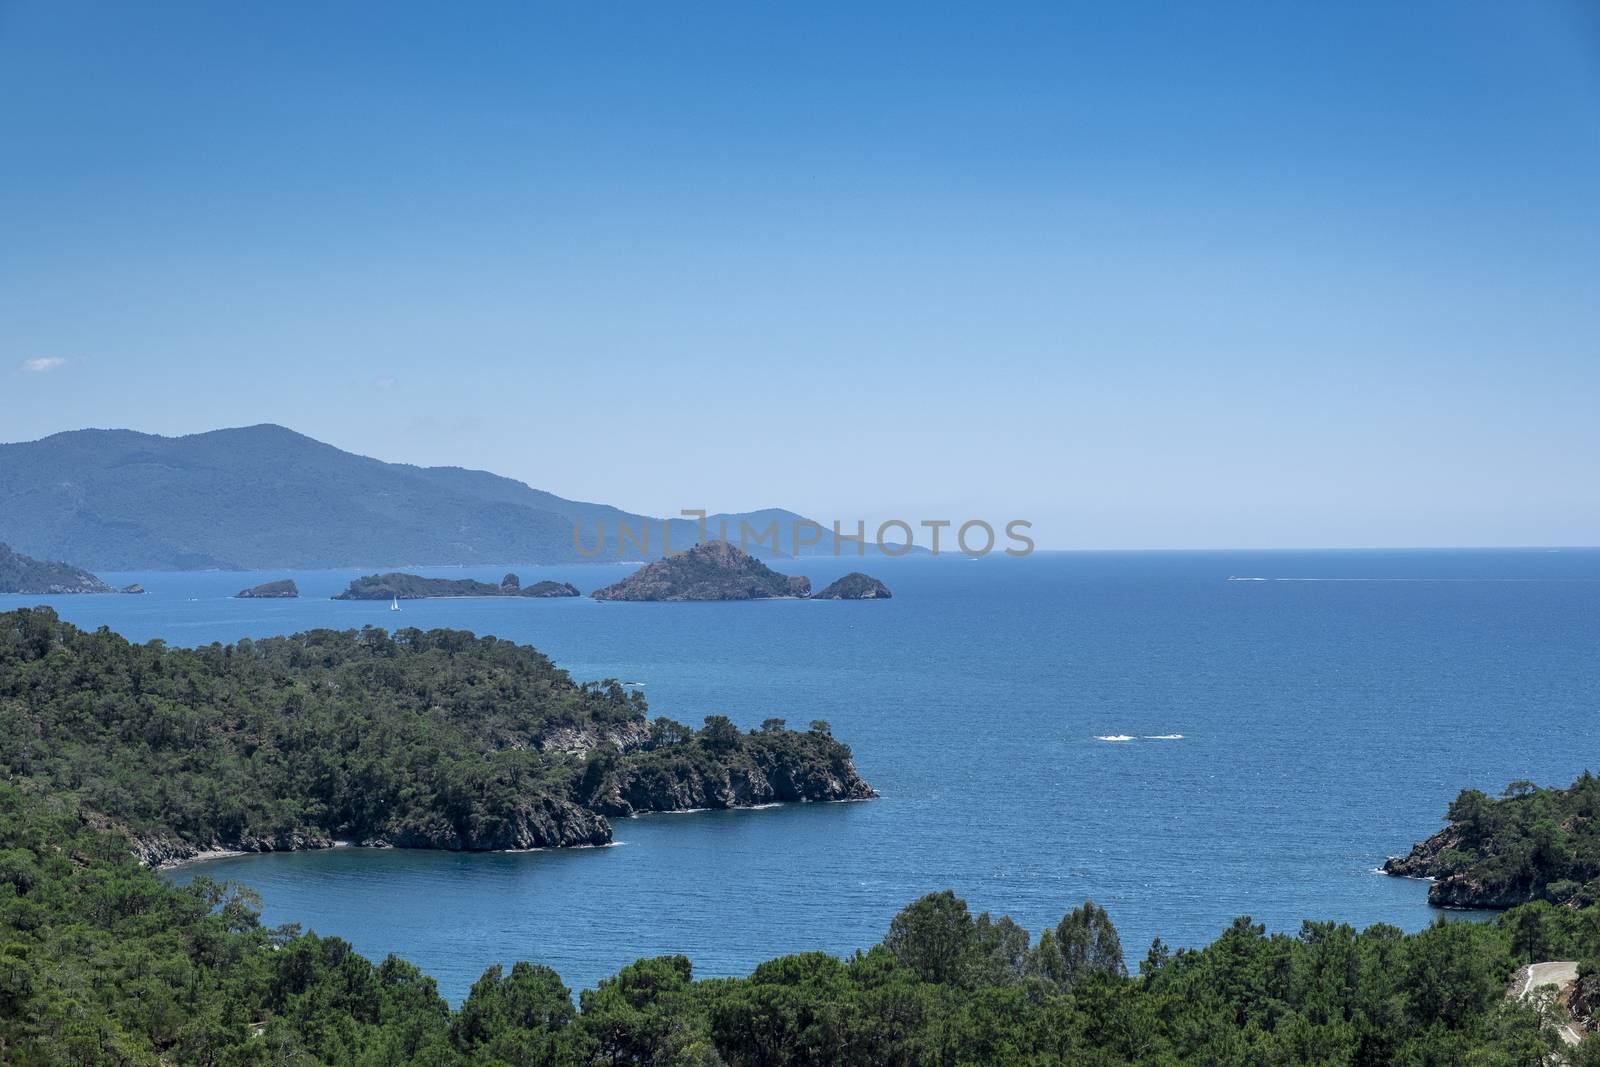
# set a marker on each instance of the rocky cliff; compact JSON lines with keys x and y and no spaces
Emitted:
{"x":1583,"y":1000}
{"x":682,"y":787}
{"x":1443,"y":860}
{"x":1529,"y":843}
{"x":576,"y":741}
{"x":770,"y":766}
{"x":538,"y":822}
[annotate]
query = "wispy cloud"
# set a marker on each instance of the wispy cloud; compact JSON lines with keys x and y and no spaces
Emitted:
{"x":385,"y":382}
{"x":41,"y":364}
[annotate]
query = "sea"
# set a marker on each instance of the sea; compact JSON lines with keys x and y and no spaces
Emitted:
{"x":1182,"y":737}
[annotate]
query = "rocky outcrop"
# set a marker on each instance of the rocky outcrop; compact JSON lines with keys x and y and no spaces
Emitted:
{"x":35,"y":577}
{"x":782,"y":767}
{"x":1427,"y":858}
{"x":399,"y":586}
{"x":1583,"y":1001}
{"x":571,"y":741}
{"x":540,"y":822}
{"x":712,"y":570}
{"x":1431,"y":861}
{"x":160,"y":850}
{"x":284,"y":589}
{"x":649,"y":790}
{"x":1444,"y":860}
{"x":855,"y":586}
{"x":545,"y":589}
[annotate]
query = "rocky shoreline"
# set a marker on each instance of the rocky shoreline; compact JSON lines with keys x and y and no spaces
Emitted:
{"x":546,"y":822}
{"x":646,"y":793}
{"x":165,"y":852}
{"x":1438,"y":861}
{"x":760,"y":777}
{"x":1527,"y":844}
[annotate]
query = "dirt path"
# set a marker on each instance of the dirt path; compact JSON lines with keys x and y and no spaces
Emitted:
{"x":1558,"y":973}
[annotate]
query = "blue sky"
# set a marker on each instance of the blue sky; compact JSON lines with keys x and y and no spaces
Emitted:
{"x":1145,"y":274}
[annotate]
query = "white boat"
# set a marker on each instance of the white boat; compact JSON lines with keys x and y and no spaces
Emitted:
{"x":394,"y":605}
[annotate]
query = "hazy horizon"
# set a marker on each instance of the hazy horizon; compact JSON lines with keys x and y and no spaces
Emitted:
{"x":923,"y":534}
{"x":1151,"y":277}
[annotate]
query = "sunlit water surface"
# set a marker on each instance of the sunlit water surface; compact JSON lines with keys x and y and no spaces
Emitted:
{"x":1324,"y":725}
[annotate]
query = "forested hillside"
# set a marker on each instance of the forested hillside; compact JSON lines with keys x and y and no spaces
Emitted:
{"x":435,"y":739}
{"x":101,"y":962}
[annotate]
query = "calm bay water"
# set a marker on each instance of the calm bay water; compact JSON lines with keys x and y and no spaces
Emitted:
{"x":1325,"y":724}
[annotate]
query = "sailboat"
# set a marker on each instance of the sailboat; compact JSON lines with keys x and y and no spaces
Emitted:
{"x":394,"y":605}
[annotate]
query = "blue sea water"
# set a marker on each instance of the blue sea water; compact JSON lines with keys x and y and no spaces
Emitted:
{"x":1326,"y":716}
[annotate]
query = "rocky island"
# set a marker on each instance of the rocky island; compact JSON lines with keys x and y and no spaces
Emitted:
{"x":511,"y":585}
{"x":398,"y":586}
{"x":34,"y":577}
{"x":711,"y":570}
{"x":285,"y":589}
{"x":716,"y":570}
{"x":855,"y":586}
{"x":1529,"y":844}
{"x":440,"y":740}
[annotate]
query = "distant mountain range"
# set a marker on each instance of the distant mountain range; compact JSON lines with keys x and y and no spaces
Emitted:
{"x":263,"y":497}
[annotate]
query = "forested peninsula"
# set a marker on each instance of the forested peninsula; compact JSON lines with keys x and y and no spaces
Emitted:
{"x":37,"y":577}
{"x":1528,"y":844}
{"x":437,"y":739}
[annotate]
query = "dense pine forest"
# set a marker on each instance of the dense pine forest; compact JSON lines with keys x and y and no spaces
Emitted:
{"x":102,"y":962}
{"x":439,"y":739}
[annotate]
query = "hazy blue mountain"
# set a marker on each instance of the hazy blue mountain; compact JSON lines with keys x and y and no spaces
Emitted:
{"x":267,"y":497}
